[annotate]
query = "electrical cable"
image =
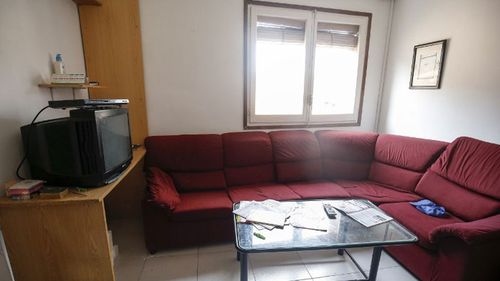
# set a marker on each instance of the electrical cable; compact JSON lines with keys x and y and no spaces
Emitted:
{"x":28,"y":144}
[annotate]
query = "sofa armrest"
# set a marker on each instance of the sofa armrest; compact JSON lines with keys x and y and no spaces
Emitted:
{"x":474,"y":232}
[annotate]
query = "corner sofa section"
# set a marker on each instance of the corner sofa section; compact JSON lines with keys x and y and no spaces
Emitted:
{"x":211,"y":172}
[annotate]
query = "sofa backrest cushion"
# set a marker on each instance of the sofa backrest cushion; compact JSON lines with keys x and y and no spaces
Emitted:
{"x":400,"y":161}
{"x":195,"y":162}
{"x":248,"y":158}
{"x":457,"y":200}
{"x":296,"y":155}
{"x":346,"y":155}
{"x":473,"y":164}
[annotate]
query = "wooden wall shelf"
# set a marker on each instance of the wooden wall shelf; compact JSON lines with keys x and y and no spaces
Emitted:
{"x":69,"y":86}
{"x":89,"y":2}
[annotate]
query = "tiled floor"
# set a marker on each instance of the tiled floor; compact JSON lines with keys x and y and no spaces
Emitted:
{"x":218,"y":263}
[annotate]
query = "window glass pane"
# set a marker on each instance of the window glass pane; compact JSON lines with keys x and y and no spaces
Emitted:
{"x":335,"y":69}
{"x":280,"y":66}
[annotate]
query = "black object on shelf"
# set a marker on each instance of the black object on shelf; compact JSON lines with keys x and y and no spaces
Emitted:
{"x":79,"y":103}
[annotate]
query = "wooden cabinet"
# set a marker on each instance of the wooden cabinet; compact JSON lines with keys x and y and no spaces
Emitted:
{"x":61,"y":239}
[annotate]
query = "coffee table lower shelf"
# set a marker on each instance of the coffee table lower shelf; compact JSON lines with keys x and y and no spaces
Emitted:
{"x":342,"y":233}
{"x":372,"y":275}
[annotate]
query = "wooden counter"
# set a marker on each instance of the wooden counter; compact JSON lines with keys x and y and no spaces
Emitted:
{"x":61,"y":239}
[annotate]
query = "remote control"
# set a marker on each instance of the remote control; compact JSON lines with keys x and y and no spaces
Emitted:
{"x":330,"y":211}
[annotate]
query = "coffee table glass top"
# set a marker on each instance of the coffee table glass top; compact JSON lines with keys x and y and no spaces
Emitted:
{"x":343,"y":232}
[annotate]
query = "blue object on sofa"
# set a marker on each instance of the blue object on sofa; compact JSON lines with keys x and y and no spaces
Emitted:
{"x":430,"y":208}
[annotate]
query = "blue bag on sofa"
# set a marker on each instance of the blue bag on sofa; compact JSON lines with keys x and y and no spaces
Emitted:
{"x":430,"y":208}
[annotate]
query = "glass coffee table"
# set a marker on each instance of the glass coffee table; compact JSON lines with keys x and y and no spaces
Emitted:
{"x":343,"y":233}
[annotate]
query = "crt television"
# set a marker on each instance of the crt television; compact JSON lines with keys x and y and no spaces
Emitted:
{"x":89,"y":148}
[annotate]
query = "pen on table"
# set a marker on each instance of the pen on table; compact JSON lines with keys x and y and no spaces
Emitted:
{"x":259,"y":235}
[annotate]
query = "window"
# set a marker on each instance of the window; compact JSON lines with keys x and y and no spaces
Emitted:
{"x":305,"y":66}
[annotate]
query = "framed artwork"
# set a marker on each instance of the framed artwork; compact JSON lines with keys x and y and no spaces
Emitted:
{"x":427,"y":65}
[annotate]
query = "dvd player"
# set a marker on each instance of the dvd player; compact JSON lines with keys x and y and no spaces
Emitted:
{"x":87,"y":103}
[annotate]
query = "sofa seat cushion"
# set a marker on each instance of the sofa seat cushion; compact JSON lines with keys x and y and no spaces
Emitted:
{"x":196,"y":206}
{"x":418,"y":223}
{"x":260,"y":192}
{"x":376,"y":193}
{"x":318,"y":189}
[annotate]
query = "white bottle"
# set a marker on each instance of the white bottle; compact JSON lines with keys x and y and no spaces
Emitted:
{"x":59,"y":65}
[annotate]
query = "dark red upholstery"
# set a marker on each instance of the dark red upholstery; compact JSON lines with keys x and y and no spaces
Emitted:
{"x":400,"y":161}
{"x":420,"y":261}
{"x":160,"y":232}
{"x":261,"y":192}
{"x":406,"y":152}
{"x":420,"y":224}
{"x":296,"y":155}
{"x":162,"y":188}
{"x":346,"y":155}
{"x":473,"y":164}
{"x":248,"y":158}
{"x":461,"y":202}
{"x":197,"y":206}
{"x":318,"y":189}
{"x":398,"y":178}
{"x":375,"y":192}
{"x":211,"y":172}
{"x":194,"y":161}
{"x":474,"y":232}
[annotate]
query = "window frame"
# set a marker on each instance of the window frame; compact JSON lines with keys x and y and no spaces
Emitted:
{"x":306,"y":120}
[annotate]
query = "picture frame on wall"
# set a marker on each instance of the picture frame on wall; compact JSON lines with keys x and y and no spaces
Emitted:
{"x":427,"y":65}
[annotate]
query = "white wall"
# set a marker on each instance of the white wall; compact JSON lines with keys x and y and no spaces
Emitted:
{"x":468,"y":102}
{"x":30,"y":33}
{"x":193,"y":62}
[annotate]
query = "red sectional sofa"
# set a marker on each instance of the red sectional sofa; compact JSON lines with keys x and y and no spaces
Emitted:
{"x":210,"y":172}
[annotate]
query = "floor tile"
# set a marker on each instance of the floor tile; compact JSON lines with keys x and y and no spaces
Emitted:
{"x":177,"y":252}
{"x":167,"y":268}
{"x":218,"y":262}
{"x":394,"y":274}
{"x":341,"y":277}
{"x":278,"y":267}
{"x":220,"y":266}
{"x":226,"y":247}
{"x":128,"y":268}
{"x":326,"y":262}
{"x":363,"y":257}
{"x":129,"y":236}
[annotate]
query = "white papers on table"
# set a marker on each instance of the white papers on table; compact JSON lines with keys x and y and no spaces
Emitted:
{"x":370,"y":217}
{"x":361,"y":212}
{"x":267,"y":217}
{"x":310,"y":219}
{"x":266,"y":214}
{"x":349,"y":206}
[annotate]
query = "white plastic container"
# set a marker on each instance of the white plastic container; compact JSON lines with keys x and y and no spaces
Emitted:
{"x":59,"y":65}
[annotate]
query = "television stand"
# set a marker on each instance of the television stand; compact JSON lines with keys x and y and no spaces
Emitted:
{"x":61,"y":239}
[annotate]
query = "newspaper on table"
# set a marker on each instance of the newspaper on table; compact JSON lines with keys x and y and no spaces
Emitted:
{"x":309,"y":218}
{"x":266,"y":214}
{"x":361,"y":212}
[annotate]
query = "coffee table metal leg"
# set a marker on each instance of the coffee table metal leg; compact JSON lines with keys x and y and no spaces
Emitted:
{"x":238,"y":256}
{"x":340,"y":252}
{"x":243,"y":267}
{"x":377,"y":251}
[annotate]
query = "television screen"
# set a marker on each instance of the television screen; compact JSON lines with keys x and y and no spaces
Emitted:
{"x":115,"y":140}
